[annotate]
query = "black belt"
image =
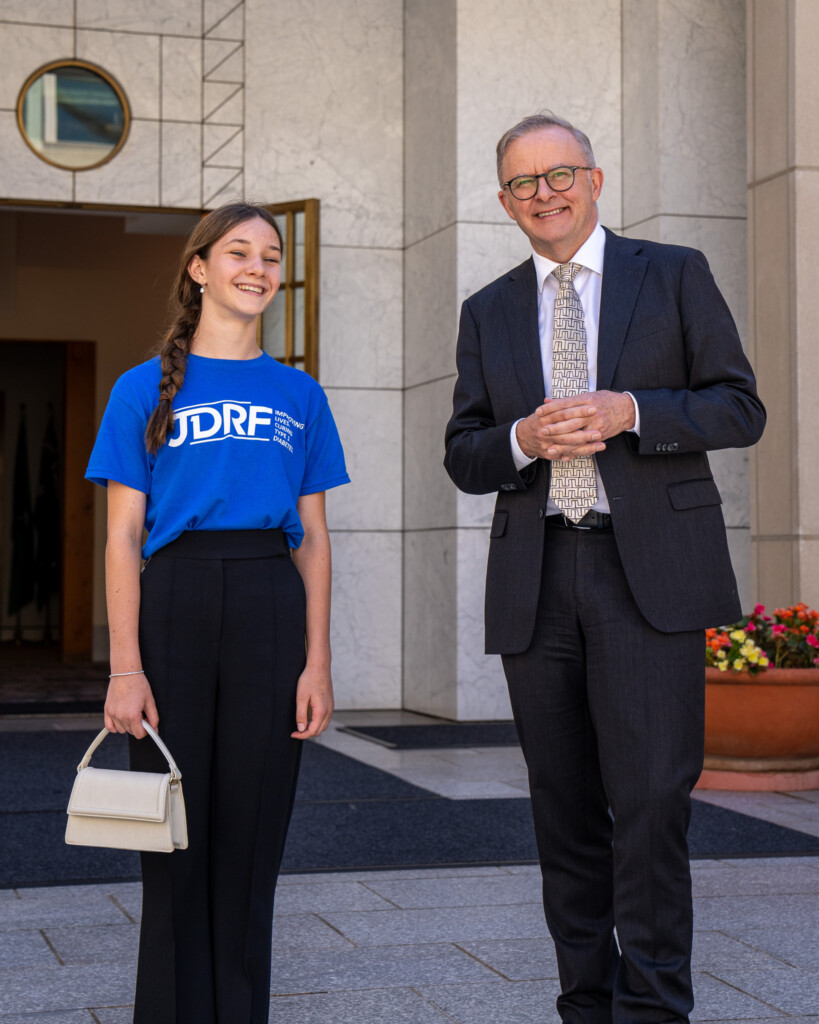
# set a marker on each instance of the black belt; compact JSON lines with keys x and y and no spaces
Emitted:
{"x":591,"y":521}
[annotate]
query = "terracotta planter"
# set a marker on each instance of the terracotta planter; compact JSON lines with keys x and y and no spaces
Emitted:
{"x":761,"y":727}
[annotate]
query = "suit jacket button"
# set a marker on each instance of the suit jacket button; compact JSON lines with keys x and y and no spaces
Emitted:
{"x":673,"y":447}
{"x":540,"y":513}
{"x":658,"y":447}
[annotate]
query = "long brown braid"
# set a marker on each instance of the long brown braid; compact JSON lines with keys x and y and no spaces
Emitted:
{"x":186,"y":309}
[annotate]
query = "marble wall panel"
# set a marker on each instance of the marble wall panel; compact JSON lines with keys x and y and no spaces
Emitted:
{"x":430,"y":130}
{"x":369,"y":422}
{"x":485,"y":251}
{"x":181,"y":79}
{"x":482,"y":692}
{"x":221,"y":185}
{"x":133,"y":60}
{"x":641,"y":111}
{"x":132,"y":177}
{"x":430,"y":307}
{"x":339,"y":135}
{"x":809,"y":572}
{"x":773,"y":353}
{"x":24,"y":175}
{"x":725,"y":244}
{"x":510,"y":67}
{"x":430,"y":498}
{"x":360,"y":317}
{"x":776,"y":569}
{"x":181,"y":164}
{"x":806,"y":83}
{"x":476,"y":510}
{"x":39,"y":12}
{"x":26,"y":48}
{"x":430,"y":622}
{"x":806,"y":229}
{"x":730,"y":469}
{"x":366,"y":619}
{"x":739,"y":547}
{"x":180,"y":19}
{"x":768,"y":83}
{"x":702,"y":107}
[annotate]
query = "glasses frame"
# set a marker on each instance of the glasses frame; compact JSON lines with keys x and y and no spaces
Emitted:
{"x":545,"y":176}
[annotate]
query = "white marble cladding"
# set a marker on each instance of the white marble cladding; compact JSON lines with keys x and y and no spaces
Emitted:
{"x":327,"y":113}
{"x":430,"y":129}
{"x":140,"y":16}
{"x":482,"y":692}
{"x":360,"y":317}
{"x":369,"y":422}
{"x":510,"y":67}
{"x":223,"y":99}
{"x":430,"y":498}
{"x":366,"y":620}
{"x":684,"y":108}
{"x":430,"y":622}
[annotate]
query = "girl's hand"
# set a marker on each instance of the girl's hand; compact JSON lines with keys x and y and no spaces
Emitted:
{"x":314,"y":703}
{"x":130,"y":700}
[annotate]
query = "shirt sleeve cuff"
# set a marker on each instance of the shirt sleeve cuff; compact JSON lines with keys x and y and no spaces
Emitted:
{"x":636,"y":428}
{"x":521,"y":460}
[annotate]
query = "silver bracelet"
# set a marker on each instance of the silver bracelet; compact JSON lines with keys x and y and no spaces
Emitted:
{"x":136,"y":672}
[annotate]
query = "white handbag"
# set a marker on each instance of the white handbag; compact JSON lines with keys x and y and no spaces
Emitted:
{"x":127,"y":810}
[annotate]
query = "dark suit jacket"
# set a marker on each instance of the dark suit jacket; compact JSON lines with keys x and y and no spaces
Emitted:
{"x":667,"y":336}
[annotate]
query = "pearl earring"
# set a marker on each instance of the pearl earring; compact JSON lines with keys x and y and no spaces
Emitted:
{"x":202,"y":289}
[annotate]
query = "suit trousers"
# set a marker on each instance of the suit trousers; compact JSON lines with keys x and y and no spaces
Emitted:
{"x":610,"y":715}
{"x":221,"y":628}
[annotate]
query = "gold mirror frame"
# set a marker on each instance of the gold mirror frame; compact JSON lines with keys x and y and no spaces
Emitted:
{"x":107,"y":77}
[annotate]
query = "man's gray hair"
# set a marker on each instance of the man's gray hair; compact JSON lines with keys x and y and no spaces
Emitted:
{"x":545,"y":119}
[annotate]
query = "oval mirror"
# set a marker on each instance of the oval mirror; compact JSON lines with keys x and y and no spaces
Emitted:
{"x":73,"y":115}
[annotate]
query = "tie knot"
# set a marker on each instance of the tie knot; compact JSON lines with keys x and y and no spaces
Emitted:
{"x":567,"y":271}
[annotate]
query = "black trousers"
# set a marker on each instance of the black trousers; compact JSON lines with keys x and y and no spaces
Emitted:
{"x":610,"y":715}
{"x":221,"y":629}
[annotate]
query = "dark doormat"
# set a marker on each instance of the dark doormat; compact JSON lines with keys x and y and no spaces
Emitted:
{"x":347,"y":816}
{"x":445,"y":734}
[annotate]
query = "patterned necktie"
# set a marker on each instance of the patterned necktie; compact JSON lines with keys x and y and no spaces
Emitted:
{"x":574,"y":484}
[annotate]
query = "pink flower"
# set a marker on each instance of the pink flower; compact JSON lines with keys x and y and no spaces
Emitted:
{"x":816,"y":661}
{"x":778,"y":629}
{"x":750,"y":627}
{"x":758,"y":609}
{"x":812,"y":640}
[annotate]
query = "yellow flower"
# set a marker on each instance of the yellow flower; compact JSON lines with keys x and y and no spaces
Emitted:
{"x":738,"y":634}
{"x":723,"y":665}
{"x":753,"y":657}
{"x":722,"y":656}
{"x":739,"y":664}
{"x":764,"y":661}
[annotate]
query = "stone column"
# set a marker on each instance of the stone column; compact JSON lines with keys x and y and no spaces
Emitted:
{"x":683,"y":164}
{"x":783,"y":205}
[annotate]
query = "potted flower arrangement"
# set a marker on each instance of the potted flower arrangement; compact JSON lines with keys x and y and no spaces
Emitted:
{"x":762,"y":701}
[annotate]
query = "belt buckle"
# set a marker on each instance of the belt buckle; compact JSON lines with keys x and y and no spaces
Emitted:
{"x":573,"y":526}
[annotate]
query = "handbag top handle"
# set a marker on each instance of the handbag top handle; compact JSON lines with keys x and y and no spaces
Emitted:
{"x":176,"y":775}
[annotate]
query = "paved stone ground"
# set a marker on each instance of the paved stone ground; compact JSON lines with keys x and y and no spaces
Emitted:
{"x":458,"y":945}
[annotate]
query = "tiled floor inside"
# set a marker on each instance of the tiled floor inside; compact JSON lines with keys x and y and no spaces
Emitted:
{"x":458,"y":945}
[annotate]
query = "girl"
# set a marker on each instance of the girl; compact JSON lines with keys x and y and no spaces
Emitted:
{"x":222,"y":640}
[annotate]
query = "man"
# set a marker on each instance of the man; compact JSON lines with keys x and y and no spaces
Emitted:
{"x":608,"y":556}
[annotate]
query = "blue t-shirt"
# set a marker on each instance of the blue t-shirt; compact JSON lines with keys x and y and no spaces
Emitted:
{"x":250,"y":437}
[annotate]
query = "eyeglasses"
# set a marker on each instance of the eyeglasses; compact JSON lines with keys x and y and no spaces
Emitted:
{"x":559,"y":179}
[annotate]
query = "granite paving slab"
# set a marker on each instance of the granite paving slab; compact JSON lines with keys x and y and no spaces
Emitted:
{"x":305,"y":931}
{"x":374,"y":1006}
{"x":25,"y":948}
{"x":449,"y":924}
{"x":405,"y":874}
{"x":716,"y":951}
{"x":759,"y":877}
{"x":315,"y":894}
{"x":516,"y":959}
{"x":383,"y":967}
{"x":41,"y":989}
{"x":524,"y":1002}
{"x":797,"y":947}
{"x":460,"y":892}
{"x":714,"y":1000}
{"x":59,"y":907}
{"x":113,"y":943}
{"x":740,"y":913}
{"x":69,"y":1017}
{"x":790,"y":989}
{"x":112,"y":1014}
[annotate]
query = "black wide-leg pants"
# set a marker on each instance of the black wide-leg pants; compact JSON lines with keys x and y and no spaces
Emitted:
{"x":610,"y":715}
{"x":221,"y":628}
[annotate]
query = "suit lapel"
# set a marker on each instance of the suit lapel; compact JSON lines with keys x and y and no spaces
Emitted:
{"x":520,"y":308}
{"x":623,"y":273}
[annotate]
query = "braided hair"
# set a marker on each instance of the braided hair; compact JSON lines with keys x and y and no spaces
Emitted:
{"x":186,"y":309}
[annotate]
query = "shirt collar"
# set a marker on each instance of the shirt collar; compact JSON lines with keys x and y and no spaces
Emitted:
{"x":590,"y":255}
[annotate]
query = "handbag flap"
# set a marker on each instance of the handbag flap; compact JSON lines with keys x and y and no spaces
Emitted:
{"x":132,"y":796}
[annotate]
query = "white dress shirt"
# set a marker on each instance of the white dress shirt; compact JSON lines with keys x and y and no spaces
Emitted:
{"x":588,"y":284}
